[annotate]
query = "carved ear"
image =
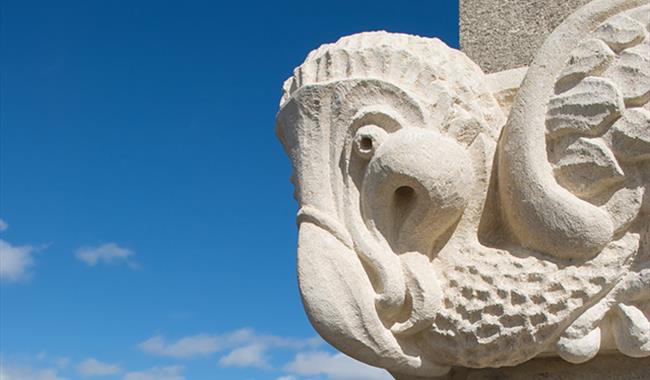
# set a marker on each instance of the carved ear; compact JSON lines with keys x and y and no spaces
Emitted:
{"x":574,"y":88}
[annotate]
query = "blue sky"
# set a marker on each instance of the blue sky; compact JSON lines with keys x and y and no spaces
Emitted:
{"x":147,"y":216}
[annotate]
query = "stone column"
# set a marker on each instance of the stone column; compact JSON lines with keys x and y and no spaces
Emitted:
{"x":505,"y":34}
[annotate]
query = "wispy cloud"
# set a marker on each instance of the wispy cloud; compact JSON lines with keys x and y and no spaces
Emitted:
{"x":62,"y":362}
{"x":246,"y":348}
{"x":252,"y":355}
{"x":157,"y":373}
{"x":15,"y":261}
{"x":3,"y":225}
{"x":334,"y":366}
{"x":207,"y":344}
{"x":109,"y":253}
{"x":28,"y":373}
{"x":197,"y":345}
{"x":93,"y":367}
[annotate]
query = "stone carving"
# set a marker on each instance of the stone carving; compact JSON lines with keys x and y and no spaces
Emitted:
{"x":427,"y":241}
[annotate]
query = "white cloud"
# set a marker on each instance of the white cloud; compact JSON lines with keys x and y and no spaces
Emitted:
{"x":292,"y":343}
{"x":205,"y":344}
{"x":3,"y":225}
{"x":62,"y":362}
{"x":289,"y":377}
{"x":93,"y":367}
{"x":186,"y":347}
{"x":247,"y":356}
{"x":26,"y":373}
{"x":15,"y":261}
{"x":107,"y":253}
{"x":157,"y":373}
{"x":334,"y":366}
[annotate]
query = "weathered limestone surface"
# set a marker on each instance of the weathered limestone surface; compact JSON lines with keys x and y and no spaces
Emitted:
{"x":456,"y":223}
{"x":607,"y":367}
{"x":505,"y":34}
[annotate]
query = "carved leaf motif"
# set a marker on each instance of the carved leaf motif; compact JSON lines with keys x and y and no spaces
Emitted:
{"x":631,"y":73}
{"x":632,"y":331}
{"x":621,"y":32}
{"x":642,"y":15}
{"x":591,"y":57}
{"x":587,"y":168}
{"x":581,"y":349}
{"x":587,"y":109}
{"x":624,"y":206}
{"x":630,"y":135}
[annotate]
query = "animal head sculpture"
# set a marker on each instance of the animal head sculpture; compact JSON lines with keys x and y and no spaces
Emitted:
{"x":415,"y":254}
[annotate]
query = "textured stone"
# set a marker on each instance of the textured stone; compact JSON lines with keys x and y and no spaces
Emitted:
{"x":607,"y":367}
{"x":505,"y":34}
{"x":621,"y":32}
{"x":590,"y":58}
{"x":588,"y":167}
{"x":588,"y":108}
{"x":631,"y":73}
{"x":447,"y":224}
{"x":504,"y":86}
{"x":630,"y":135}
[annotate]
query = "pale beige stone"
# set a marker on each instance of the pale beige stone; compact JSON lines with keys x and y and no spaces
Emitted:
{"x":607,"y":367}
{"x":505,"y":34}
{"x":631,"y":73}
{"x":445,"y":222}
{"x":588,"y":108}
{"x":591,"y":57}
{"x":630,"y":135}
{"x":504,"y":86}
{"x":621,"y":32}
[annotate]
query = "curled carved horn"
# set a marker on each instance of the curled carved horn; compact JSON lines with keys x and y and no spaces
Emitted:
{"x":542,"y":214}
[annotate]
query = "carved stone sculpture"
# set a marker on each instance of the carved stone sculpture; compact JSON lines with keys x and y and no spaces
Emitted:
{"x":443,"y":223}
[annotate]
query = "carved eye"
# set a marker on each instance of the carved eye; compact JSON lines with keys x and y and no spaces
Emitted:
{"x":368,"y":139}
